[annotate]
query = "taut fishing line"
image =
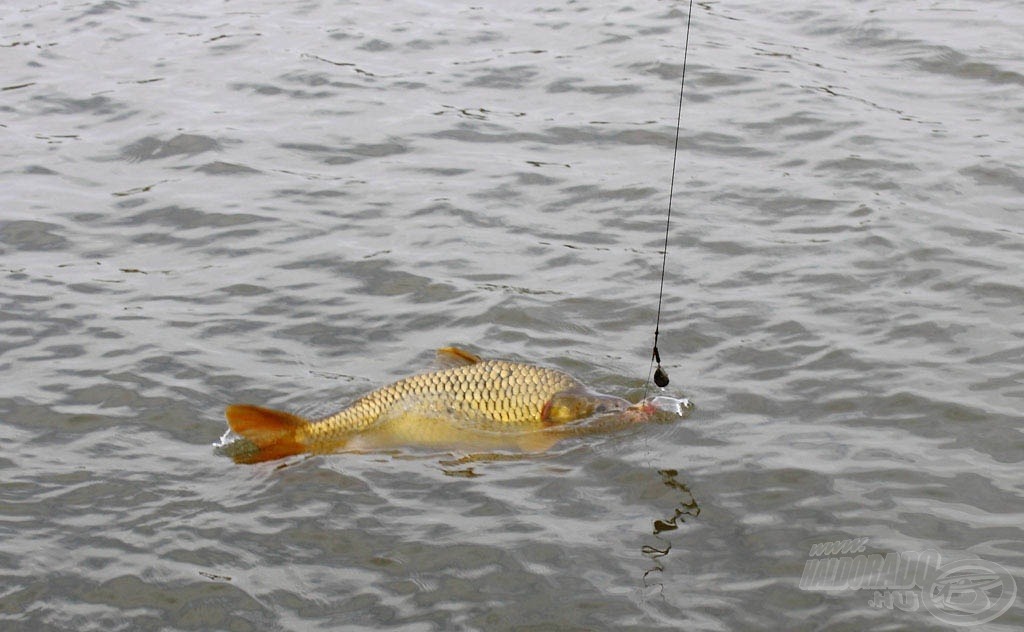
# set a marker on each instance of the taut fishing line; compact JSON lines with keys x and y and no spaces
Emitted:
{"x":660,"y":376}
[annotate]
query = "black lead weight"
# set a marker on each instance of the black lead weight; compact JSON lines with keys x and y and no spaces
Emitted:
{"x":660,"y":377}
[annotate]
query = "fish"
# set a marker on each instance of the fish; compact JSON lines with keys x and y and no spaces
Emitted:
{"x":467,"y":402}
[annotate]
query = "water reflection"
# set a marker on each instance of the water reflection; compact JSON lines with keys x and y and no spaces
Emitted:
{"x":686,"y":508}
{"x":454,"y":467}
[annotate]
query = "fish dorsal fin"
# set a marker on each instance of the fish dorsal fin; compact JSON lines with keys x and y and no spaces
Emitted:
{"x":450,"y":357}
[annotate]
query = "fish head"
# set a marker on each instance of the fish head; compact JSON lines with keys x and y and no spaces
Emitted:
{"x":579,"y":403}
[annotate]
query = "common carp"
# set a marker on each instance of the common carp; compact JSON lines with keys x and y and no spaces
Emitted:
{"x":469,"y":402}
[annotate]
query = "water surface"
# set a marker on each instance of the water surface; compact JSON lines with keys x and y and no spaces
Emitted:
{"x":293,"y":203}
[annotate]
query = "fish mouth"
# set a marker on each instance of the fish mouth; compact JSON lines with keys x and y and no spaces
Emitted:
{"x":647,"y":409}
{"x":639,"y":412}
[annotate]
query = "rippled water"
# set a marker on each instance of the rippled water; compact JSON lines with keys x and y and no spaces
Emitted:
{"x":292,"y":203}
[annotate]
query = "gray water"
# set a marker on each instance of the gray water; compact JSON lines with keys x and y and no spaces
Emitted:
{"x":291,"y":203}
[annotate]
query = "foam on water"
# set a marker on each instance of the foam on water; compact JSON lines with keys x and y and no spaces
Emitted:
{"x":678,"y":406}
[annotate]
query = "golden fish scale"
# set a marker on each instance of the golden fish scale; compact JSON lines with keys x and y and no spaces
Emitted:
{"x":490,"y":395}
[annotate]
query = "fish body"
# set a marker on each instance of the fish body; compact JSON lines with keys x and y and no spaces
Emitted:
{"x":483,"y":403}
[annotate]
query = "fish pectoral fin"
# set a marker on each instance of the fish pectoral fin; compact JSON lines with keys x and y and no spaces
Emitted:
{"x":272,"y":432}
{"x":449,"y":357}
{"x":537,"y":441}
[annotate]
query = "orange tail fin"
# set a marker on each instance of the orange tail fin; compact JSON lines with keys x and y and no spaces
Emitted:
{"x":272,"y":432}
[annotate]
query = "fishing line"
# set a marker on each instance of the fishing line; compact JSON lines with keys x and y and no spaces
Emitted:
{"x":660,"y":376}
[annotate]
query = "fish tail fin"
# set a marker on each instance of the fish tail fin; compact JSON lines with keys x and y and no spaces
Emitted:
{"x":271,"y":433}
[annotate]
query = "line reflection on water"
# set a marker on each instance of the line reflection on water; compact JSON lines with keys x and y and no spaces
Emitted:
{"x":687,"y":508}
